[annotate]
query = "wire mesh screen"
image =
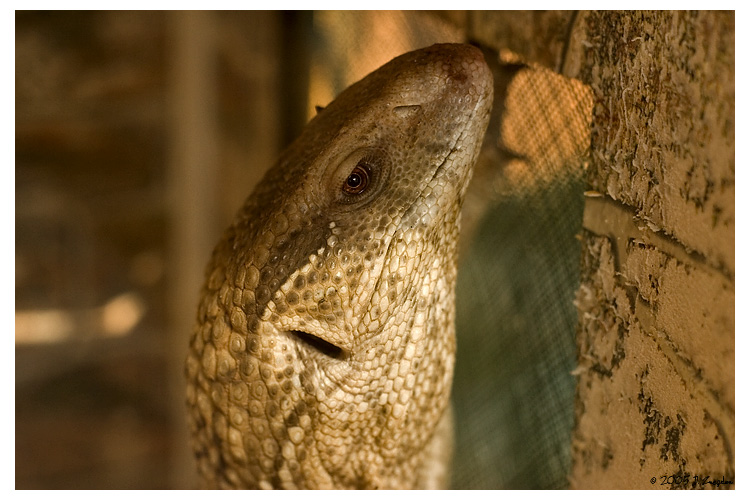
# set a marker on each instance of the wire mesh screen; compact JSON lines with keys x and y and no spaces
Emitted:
{"x":513,"y":392}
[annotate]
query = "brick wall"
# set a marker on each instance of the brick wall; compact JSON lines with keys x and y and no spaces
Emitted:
{"x":655,"y":391}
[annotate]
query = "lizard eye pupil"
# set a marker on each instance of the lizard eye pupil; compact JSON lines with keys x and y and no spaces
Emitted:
{"x":358,"y":180}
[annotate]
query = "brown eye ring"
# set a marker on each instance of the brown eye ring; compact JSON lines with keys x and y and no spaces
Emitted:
{"x":358,"y":180}
{"x":356,"y":177}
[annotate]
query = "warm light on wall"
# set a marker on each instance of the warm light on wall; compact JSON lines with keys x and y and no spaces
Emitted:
{"x":117,"y":318}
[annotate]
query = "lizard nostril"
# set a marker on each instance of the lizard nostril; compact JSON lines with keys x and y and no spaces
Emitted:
{"x":406,"y":111}
{"x":318,"y":344}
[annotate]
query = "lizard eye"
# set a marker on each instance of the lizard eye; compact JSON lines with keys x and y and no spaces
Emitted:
{"x":358,"y":180}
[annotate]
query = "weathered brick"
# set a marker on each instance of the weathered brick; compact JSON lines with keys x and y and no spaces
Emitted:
{"x":637,"y":416}
{"x":691,"y":308}
{"x":663,"y":129}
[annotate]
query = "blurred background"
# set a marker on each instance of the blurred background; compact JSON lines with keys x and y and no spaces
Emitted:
{"x":138,"y":136}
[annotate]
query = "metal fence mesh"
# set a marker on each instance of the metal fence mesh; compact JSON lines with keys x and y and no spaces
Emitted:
{"x":513,"y":392}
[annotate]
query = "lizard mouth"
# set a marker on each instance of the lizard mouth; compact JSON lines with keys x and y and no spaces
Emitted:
{"x":454,"y":148}
{"x":318,"y":345}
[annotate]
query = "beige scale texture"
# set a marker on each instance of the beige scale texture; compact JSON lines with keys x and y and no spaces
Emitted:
{"x":324,"y":348}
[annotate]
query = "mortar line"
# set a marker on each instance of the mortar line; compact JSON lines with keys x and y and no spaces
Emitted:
{"x":601,"y":213}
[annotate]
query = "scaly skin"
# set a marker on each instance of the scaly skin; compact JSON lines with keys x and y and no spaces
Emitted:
{"x":324,"y":348}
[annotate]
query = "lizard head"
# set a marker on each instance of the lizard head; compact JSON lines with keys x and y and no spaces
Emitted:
{"x":323,"y":352}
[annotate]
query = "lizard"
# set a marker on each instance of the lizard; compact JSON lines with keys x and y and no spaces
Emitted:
{"x":324,"y":346}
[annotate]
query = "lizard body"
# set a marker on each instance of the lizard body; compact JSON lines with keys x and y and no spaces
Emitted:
{"x":324,"y":348}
